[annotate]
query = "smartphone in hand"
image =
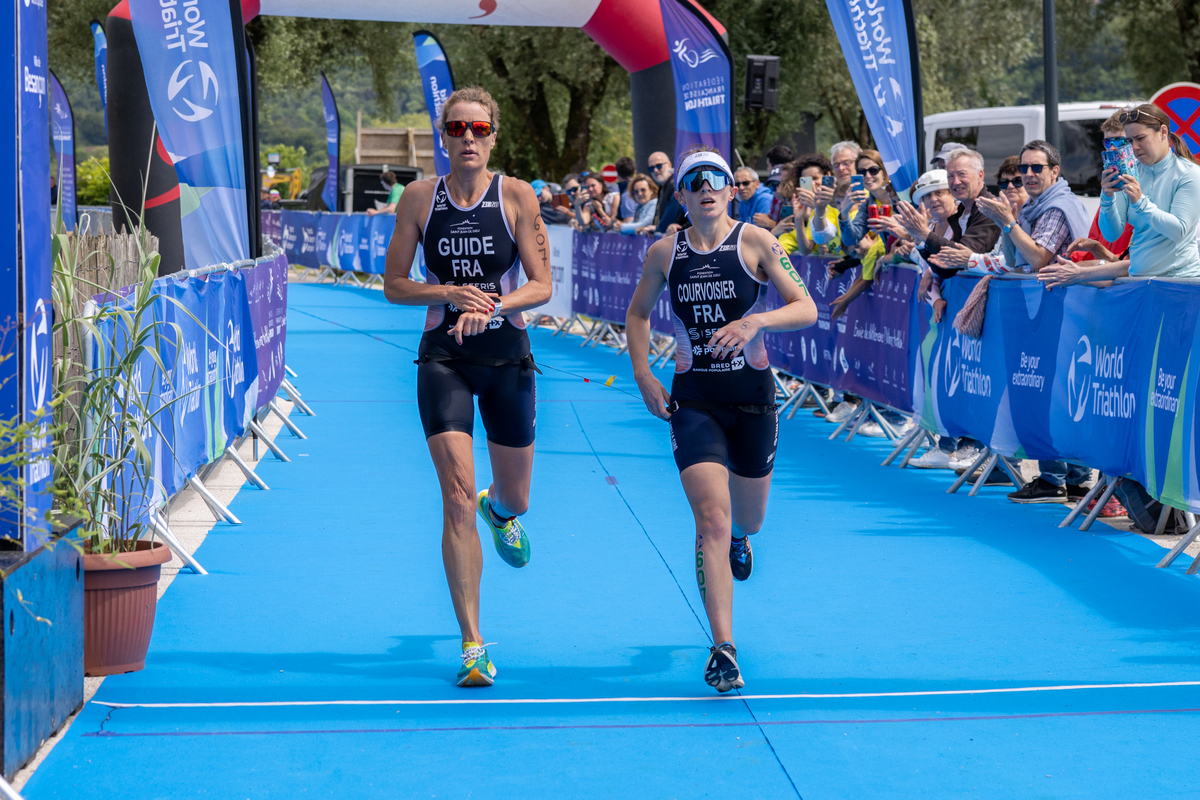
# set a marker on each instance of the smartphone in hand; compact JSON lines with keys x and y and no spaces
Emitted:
{"x":829,"y":180}
{"x":806,"y":183}
{"x":856,"y":183}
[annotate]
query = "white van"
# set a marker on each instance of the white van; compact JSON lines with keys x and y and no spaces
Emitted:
{"x":998,"y":133}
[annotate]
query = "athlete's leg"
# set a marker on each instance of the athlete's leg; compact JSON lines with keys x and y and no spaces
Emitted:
{"x":748,"y":498}
{"x":512,"y":471}
{"x":461,"y":552}
{"x":707,"y":487}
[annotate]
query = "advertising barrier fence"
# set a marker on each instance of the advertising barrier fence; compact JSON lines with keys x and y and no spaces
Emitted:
{"x":1101,"y":377}
{"x":226,"y":368}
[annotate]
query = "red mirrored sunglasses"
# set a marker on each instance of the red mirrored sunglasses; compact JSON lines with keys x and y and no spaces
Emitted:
{"x":479,"y":128}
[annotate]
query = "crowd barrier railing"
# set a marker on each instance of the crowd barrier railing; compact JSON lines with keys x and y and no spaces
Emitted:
{"x":347,"y":247}
{"x":1103,"y":378}
{"x":217,"y":381}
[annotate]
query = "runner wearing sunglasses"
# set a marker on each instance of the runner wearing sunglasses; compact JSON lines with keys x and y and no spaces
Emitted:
{"x":477,"y":231}
{"x":721,"y":406}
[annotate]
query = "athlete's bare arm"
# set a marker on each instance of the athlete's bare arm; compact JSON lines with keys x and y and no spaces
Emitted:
{"x":411,"y":213}
{"x":765,"y":256}
{"x":533,"y":245}
{"x":637,"y":325}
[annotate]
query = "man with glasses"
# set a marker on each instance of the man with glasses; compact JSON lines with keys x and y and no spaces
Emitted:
{"x":970,"y":230}
{"x":1052,"y":219}
{"x":667,"y":213}
{"x":752,"y":197}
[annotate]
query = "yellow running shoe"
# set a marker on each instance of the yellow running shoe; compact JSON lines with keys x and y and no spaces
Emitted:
{"x":477,"y":668}
{"x":511,"y":542}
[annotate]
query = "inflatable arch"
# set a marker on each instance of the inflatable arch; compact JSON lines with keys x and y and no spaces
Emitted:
{"x":631,"y":31}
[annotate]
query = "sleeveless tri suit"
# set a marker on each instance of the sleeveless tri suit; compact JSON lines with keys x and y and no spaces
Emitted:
{"x":726,"y":408}
{"x":474,"y":246}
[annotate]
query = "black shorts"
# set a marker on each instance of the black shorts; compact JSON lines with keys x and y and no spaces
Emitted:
{"x":507,"y":398}
{"x":739,"y":440}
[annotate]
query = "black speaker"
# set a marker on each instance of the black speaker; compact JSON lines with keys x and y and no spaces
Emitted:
{"x":762,"y":83}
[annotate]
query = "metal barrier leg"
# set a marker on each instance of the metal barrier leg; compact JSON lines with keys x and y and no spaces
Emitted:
{"x":1165,"y":514}
{"x":274,"y":448}
{"x":294,"y":395}
{"x":905,"y":442}
{"x":1100,"y":483}
{"x":984,"y":474}
{"x":291,"y":426}
{"x":7,"y":791}
{"x":1095,"y":512}
{"x":796,"y":398}
{"x":168,"y":537}
{"x":213,"y":503}
{"x":1013,"y":473}
{"x":920,"y":440}
{"x":250,"y":474}
{"x":1180,"y":546}
{"x":983,"y":456}
{"x":290,"y":371}
{"x":862,"y":417}
{"x":888,"y":430}
{"x":850,"y":420}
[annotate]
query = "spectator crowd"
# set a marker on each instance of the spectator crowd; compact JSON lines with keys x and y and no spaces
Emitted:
{"x":948,"y":222}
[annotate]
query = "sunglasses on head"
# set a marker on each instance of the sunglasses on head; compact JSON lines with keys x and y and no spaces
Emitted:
{"x":1013,"y":182}
{"x":872,"y":171}
{"x":457,"y":128}
{"x":1037,"y":168}
{"x":1137,"y":115}
{"x":694,"y":180}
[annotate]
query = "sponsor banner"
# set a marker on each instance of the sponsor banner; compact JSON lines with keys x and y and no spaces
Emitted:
{"x":438,"y":83}
{"x":874,"y":39}
{"x":353,"y":242}
{"x":380,"y":228}
{"x":227,"y":365}
{"x":605,"y":271}
{"x":868,"y":351}
{"x":191,"y":58}
{"x":298,"y":237}
{"x":703,"y":80}
{"x":333,"y":137}
{"x":100,"y":51}
{"x":62,"y":132}
{"x":562,"y":252}
{"x":34,"y":340}
{"x":272,"y":226}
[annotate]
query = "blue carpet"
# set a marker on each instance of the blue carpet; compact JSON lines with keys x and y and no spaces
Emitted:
{"x":867,"y":580}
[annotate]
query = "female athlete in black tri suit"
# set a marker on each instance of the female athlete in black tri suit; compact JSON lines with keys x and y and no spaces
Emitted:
{"x":722,"y":401}
{"x":477,"y":230}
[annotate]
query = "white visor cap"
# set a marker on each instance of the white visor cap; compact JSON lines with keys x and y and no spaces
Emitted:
{"x":703,"y":159}
{"x":929,"y":182}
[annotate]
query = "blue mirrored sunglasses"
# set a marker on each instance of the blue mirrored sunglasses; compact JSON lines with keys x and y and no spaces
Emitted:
{"x":694,"y":180}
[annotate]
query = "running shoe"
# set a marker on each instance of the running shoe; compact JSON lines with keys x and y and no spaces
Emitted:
{"x":721,"y":672}
{"x":741,"y":558}
{"x":511,"y":542}
{"x":932,"y":459}
{"x":477,"y":668}
{"x":871,"y":428}
{"x":842,"y":412}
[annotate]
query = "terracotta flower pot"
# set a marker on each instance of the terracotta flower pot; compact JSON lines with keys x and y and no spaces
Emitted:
{"x":118,"y":607}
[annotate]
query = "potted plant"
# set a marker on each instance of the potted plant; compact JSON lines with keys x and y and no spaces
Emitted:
{"x":109,"y":357}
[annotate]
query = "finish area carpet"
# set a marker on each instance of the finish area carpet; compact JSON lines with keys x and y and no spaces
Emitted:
{"x":896,"y":641}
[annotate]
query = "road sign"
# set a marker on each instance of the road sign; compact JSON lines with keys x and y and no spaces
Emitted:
{"x":609,"y":173}
{"x":1181,"y":102}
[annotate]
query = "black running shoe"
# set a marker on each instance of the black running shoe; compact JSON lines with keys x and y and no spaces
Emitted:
{"x":741,"y":558}
{"x":721,"y":672}
{"x":1039,"y":490}
{"x":1077,"y":493}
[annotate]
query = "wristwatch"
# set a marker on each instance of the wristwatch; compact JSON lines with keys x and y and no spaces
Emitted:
{"x":496,"y":308}
{"x":1008,"y":227}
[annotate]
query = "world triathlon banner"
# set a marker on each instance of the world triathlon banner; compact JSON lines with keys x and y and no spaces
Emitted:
{"x":703,"y":80}
{"x":191,"y":59}
{"x":333,"y":138}
{"x":62,"y":134}
{"x":350,"y":242}
{"x":438,"y":83}
{"x":100,"y":53}
{"x":1054,"y":377}
{"x":874,"y":39}
{"x":226,"y":365}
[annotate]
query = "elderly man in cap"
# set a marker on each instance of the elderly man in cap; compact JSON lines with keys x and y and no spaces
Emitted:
{"x":939,"y":160}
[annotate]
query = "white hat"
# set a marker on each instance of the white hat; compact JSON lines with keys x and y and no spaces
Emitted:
{"x":929,"y":182}
{"x":704,"y":158}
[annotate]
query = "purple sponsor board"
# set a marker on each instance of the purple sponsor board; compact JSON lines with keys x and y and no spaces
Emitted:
{"x":266,"y":294}
{"x":605,"y":272}
{"x":272,"y":226}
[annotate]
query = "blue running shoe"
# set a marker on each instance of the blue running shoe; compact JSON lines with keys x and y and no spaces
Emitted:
{"x":511,"y":542}
{"x":741,"y":558}
{"x":721,"y":672}
{"x":477,"y":668}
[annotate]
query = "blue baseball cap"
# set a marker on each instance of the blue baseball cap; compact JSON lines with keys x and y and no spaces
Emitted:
{"x":538,"y":185}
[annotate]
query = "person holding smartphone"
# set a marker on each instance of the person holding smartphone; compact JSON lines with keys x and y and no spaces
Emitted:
{"x":721,"y":407}
{"x":1162,"y":203}
{"x":807,"y":174}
